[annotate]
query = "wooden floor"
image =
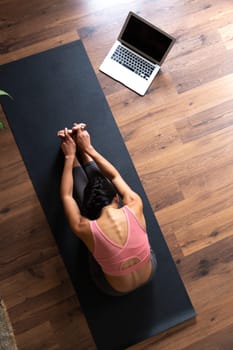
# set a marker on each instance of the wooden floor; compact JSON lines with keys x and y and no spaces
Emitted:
{"x":180,"y":137}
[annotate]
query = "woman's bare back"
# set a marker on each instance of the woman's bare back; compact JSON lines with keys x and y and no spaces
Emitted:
{"x":113,"y":223}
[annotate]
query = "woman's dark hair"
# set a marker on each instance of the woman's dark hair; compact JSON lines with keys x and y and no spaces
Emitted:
{"x":98,"y":193}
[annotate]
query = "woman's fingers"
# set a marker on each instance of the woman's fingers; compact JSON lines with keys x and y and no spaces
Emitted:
{"x":61,"y":133}
{"x":67,"y":135}
{"x":80,"y":126}
{"x":70,"y":132}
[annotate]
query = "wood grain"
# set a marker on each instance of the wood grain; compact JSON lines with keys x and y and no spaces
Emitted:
{"x":179,"y":136}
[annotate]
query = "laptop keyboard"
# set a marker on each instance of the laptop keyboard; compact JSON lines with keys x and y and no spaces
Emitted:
{"x":133,"y":62}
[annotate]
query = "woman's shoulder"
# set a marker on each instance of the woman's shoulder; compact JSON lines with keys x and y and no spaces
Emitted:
{"x":83,"y":227}
{"x":137,"y":212}
{"x":136,"y":206}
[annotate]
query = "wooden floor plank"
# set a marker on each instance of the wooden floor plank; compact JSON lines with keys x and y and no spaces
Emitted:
{"x":40,"y":337}
{"x":44,"y":45}
{"x":218,"y":340}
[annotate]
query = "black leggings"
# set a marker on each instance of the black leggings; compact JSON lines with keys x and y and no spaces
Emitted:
{"x":81,"y":175}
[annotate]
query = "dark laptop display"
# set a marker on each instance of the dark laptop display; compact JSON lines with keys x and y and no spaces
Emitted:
{"x":146,"y":39}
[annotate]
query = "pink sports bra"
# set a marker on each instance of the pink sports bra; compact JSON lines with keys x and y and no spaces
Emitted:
{"x":112,"y":256}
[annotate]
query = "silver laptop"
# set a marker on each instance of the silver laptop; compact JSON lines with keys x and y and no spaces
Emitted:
{"x":138,"y":53}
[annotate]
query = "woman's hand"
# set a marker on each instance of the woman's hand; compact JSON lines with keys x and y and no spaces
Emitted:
{"x":72,"y":132}
{"x":68,"y":145}
{"x":61,"y":133}
{"x":82,"y":137}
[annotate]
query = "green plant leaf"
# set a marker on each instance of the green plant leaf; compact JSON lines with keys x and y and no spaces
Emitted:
{"x":4,"y":93}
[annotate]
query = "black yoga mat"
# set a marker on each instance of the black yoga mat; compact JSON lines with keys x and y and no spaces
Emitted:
{"x":52,"y":90}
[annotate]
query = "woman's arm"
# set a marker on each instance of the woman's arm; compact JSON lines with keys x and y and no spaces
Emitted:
{"x":70,"y":206}
{"x":74,"y":217}
{"x":107,"y":169}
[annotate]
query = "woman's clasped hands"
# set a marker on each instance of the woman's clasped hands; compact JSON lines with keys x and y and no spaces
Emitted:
{"x":73,"y":138}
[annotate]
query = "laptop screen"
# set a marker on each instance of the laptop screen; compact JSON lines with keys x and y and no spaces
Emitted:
{"x":146,"y":39}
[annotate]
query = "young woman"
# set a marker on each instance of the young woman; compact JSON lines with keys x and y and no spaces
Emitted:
{"x":121,"y":259}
